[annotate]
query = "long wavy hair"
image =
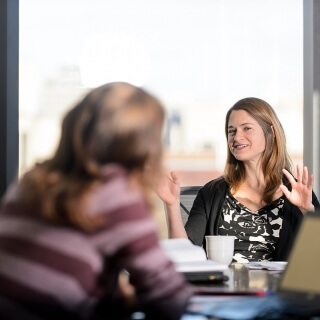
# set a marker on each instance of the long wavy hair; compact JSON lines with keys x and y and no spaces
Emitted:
{"x":116,"y":123}
{"x":275,"y":156}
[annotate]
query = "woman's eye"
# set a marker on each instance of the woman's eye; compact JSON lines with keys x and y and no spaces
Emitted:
{"x":231,"y":132}
{"x":247,"y":128}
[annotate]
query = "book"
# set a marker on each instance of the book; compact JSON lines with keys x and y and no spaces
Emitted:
{"x":188,"y":257}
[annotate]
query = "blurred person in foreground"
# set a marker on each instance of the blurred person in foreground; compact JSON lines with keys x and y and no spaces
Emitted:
{"x":257,"y":200}
{"x":72,"y":223}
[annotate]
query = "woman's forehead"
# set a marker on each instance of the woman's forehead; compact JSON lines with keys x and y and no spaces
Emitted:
{"x":241,"y":117}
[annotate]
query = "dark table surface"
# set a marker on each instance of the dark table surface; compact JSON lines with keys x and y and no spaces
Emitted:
{"x":246,"y":284}
{"x":242,"y":279}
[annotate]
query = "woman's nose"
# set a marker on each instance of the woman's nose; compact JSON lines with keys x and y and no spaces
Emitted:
{"x":237,"y":135}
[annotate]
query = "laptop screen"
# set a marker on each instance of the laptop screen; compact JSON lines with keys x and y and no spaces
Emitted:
{"x":302,"y":274}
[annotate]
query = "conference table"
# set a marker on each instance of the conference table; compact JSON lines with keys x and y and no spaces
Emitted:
{"x":243,"y":279}
{"x":248,"y":285}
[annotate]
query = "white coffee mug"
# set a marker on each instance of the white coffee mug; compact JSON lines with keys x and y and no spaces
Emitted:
{"x":220,"y":248}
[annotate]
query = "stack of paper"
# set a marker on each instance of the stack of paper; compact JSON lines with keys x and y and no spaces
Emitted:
{"x":267,"y":265}
{"x":189,"y":257}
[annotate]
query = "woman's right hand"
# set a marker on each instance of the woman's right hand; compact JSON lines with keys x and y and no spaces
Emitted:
{"x":168,"y":188}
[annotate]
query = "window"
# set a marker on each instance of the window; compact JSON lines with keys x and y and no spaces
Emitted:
{"x":198,"y":57}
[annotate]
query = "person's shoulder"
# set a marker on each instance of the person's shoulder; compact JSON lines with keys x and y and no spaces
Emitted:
{"x":214,"y":184}
{"x":213,"y":189}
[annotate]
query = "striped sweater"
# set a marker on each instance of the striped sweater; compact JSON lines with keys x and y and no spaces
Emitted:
{"x":65,"y":268}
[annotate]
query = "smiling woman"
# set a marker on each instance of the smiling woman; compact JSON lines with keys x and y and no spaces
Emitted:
{"x":257,"y":200}
{"x":265,"y":152}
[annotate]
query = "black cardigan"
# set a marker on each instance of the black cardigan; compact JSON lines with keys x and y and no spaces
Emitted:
{"x":205,"y":215}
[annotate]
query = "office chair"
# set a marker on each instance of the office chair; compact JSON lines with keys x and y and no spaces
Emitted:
{"x":187,"y":196}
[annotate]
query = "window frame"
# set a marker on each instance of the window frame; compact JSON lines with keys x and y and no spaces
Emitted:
{"x":9,"y":92}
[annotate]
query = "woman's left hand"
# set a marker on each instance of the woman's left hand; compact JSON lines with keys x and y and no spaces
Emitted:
{"x":301,"y":193}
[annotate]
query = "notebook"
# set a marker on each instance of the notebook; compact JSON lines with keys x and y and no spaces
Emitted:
{"x":298,"y":292}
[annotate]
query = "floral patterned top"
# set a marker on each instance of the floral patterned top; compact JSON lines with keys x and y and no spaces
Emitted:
{"x":256,"y":232}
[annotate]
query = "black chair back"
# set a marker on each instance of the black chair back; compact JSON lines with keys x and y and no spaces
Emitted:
{"x":187,"y":196}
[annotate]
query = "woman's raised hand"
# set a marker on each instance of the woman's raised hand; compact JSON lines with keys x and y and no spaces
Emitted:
{"x":301,"y":193}
{"x":168,"y":188}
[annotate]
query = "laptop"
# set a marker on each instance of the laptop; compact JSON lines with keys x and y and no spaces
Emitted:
{"x":298,"y":292}
{"x":300,"y":282}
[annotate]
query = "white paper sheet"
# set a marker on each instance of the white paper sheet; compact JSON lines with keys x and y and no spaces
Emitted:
{"x":266,"y":265}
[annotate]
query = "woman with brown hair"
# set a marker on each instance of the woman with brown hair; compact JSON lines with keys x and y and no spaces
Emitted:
{"x":75,"y":221}
{"x":257,"y":200}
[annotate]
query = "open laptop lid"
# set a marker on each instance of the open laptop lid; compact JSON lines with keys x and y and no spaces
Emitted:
{"x":301,"y":279}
